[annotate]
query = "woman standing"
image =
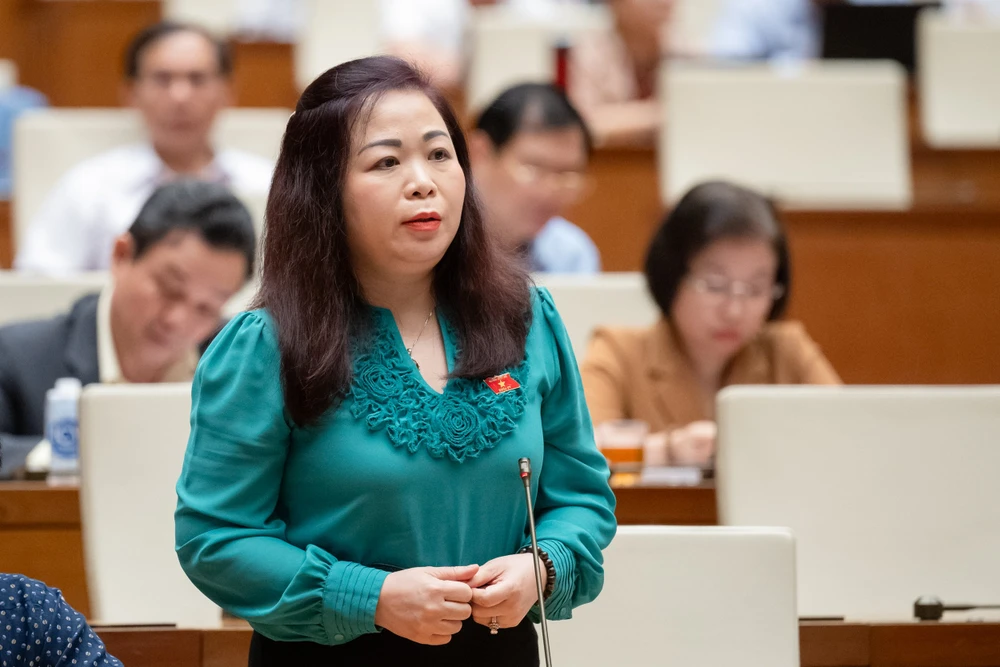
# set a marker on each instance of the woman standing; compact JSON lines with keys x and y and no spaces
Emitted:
{"x":350,"y":486}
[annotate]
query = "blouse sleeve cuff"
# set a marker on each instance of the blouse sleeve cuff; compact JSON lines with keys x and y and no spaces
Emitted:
{"x":558,"y":606}
{"x":352,"y":593}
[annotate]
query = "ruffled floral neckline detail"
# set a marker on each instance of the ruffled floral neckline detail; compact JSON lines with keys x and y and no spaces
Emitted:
{"x":465,"y":420}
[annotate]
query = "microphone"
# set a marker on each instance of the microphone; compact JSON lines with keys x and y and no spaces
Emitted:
{"x":929,"y":608}
{"x":524,"y":466}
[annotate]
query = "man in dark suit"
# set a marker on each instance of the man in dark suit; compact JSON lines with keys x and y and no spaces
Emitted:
{"x":190,"y":249}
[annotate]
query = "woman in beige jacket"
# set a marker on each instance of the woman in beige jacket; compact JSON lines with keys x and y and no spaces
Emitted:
{"x":719,"y":270}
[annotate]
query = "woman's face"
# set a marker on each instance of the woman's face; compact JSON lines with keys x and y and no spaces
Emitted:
{"x":404,"y":189}
{"x":725,"y":298}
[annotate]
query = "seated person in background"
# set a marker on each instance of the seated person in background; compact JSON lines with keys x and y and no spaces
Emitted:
{"x":429,"y":34}
{"x":792,"y":29}
{"x":38,"y":627}
{"x":767,"y":30}
{"x":178,"y":78}
{"x":529,"y":153}
{"x":612,"y":77}
{"x":188,"y":252}
{"x":14,"y":100}
{"x":718,"y":268}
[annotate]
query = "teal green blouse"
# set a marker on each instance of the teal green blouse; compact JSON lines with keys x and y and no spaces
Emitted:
{"x":295,"y":529}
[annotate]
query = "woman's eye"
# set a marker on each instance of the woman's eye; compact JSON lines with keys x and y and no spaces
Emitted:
{"x":440,"y":154}
{"x":386,"y":163}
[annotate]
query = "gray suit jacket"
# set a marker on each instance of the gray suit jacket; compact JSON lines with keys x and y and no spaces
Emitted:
{"x":33,"y":355}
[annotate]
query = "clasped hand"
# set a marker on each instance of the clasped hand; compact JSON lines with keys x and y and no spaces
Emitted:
{"x":428,"y":604}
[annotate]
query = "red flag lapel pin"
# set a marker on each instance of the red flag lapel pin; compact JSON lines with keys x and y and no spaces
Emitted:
{"x":501,"y":384}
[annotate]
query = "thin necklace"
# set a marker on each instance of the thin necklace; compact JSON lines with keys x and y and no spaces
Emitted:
{"x":416,"y":340}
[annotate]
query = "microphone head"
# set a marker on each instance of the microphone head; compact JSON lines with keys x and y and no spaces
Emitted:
{"x":524,"y":465}
{"x":928,"y":608}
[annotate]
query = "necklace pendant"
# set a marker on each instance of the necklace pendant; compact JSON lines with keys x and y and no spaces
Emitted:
{"x":409,"y":350}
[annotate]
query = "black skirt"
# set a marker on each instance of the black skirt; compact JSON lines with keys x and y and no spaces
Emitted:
{"x":472,"y":645}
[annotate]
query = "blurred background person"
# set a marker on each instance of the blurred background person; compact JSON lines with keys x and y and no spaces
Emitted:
{"x":767,"y":29}
{"x":39,"y":628}
{"x":190,"y":249}
{"x":14,"y":101}
{"x":430,"y":34}
{"x":793,"y":29}
{"x":612,"y":76}
{"x":177,"y":76}
{"x":719,"y":270}
{"x":529,"y":152}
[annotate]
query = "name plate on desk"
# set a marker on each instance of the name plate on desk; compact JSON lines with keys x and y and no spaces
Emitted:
{"x":671,"y":476}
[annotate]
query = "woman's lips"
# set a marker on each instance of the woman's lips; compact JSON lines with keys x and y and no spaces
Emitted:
{"x":423,"y":225}
{"x":428,"y":221}
{"x":726,"y":336}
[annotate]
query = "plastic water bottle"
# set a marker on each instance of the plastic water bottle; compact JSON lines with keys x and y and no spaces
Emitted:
{"x":62,"y":429}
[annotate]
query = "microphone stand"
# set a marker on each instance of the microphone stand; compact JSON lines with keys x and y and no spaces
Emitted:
{"x":524,"y":465}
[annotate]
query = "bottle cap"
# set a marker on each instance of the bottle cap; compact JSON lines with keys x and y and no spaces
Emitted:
{"x":68,"y":386}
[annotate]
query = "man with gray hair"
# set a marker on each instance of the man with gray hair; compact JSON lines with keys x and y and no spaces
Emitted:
{"x":177,"y":76}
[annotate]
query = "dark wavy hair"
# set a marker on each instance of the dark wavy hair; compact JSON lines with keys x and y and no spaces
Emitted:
{"x":308,"y":284}
{"x":707,"y":213}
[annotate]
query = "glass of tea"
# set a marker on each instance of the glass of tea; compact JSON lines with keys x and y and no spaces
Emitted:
{"x":621,"y":441}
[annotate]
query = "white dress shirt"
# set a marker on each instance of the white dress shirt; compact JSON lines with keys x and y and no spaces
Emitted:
{"x":99,"y":199}
{"x":439,"y":24}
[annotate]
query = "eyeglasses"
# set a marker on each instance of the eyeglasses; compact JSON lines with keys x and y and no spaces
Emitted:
{"x":569,"y":181}
{"x":719,"y":289}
